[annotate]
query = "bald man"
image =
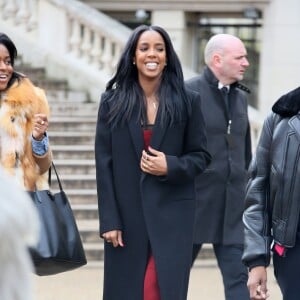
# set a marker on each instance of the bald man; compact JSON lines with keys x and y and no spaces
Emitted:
{"x":221,"y":188}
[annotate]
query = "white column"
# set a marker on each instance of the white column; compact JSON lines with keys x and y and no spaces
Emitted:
{"x":280,"y":52}
{"x":53,"y":27}
{"x":174,"y":22}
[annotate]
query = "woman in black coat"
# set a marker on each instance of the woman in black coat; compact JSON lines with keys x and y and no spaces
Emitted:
{"x":150,"y":144}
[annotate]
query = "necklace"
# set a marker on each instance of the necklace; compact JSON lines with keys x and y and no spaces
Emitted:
{"x":154,"y":105}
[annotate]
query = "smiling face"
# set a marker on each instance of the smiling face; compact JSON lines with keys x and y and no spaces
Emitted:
{"x":150,"y":55}
{"x":6,"y":68}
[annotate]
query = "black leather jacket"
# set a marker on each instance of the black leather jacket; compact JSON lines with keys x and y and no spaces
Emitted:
{"x":273,"y":192}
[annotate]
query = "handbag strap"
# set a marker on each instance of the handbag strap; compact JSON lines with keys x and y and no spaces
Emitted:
{"x":58,"y":180}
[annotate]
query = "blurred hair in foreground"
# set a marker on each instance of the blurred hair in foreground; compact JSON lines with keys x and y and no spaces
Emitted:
{"x":19,"y":226}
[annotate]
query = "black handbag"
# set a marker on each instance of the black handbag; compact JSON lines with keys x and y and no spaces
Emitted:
{"x":59,"y":247}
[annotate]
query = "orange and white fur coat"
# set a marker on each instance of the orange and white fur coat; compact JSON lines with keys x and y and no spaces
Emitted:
{"x":19,"y":104}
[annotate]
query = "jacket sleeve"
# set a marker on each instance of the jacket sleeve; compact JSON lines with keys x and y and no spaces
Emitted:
{"x":107,"y":203}
{"x":256,"y":215}
{"x":195,"y":156}
{"x":43,"y":161}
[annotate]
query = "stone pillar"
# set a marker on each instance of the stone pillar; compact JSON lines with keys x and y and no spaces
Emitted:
{"x":174,"y":22}
{"x":280,"y":59}
{"x":53,"y":27}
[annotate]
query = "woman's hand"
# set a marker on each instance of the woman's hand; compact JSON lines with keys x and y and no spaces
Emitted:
{"x":40,"y":126}
{"x":114,"y":237}
{"x":154,"y":163}
{"x":257,"y":283}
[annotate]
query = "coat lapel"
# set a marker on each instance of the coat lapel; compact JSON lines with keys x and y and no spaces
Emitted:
{"x":137,"y":136}
{"x":158,"y":132}
{"x":294,"y":123}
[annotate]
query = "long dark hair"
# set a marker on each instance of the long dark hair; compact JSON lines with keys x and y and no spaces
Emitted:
{"x":12,"y":50}
{"x":125,"y":93}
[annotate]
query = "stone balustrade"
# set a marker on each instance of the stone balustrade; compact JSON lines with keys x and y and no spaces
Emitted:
{"x":23,"y":13}
{"x":68,"y":38}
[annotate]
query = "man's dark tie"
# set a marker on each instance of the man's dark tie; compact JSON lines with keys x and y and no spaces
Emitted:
{"x":225,"y":92}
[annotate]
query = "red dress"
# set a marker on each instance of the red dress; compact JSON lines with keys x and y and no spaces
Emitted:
{"x":151,"y":288}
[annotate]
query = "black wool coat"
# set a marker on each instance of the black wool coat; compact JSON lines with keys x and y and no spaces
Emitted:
{"x":220,"y":189}
{"x":152,"y":211}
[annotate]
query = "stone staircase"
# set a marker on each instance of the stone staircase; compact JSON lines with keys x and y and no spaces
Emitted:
{"x":71,"y":132}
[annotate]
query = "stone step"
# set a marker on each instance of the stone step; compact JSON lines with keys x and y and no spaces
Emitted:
{"x":33,"y":73}
{"x":73,"y":151}
{"x":80,"y":196}
{"x":94,"y":245}
{"x":89,"y":230}
{"x":75,"y":166}
{"x":72,"y":123}
{"x":58,"y":98}
{"x":73,"y":108}
{"x":94,"y":251}
{"x":51,"y":84}
{"x":75,"y":181}
{"x":72,"y":137}
{"x":56,"y":90}
{"x":85,"y":211}
{"x":207,"y":252}
{"x":38,"y":76}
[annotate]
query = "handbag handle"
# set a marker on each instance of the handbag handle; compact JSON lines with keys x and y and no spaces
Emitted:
{"x":58,"y":180}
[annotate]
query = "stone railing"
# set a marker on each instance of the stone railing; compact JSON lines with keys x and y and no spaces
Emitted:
{"x":70,"y":39}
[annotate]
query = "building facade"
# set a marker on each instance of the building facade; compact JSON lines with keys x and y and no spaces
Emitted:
{"x":269,"y":28}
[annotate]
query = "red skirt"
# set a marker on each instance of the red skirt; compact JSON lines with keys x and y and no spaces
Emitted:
{"x":151,"y":288}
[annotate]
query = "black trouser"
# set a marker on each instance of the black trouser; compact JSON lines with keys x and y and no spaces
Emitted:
{"x":287,"y":273}
{"x":234,"y":272}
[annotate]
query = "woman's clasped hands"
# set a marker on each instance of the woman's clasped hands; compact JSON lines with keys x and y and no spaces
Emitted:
{"x":154,"y":162}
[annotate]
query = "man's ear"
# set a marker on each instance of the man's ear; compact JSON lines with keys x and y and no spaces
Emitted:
{"x":217,"y":59}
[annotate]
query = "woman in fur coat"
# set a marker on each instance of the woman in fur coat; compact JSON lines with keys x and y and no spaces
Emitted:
{"x":24,"y":112}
